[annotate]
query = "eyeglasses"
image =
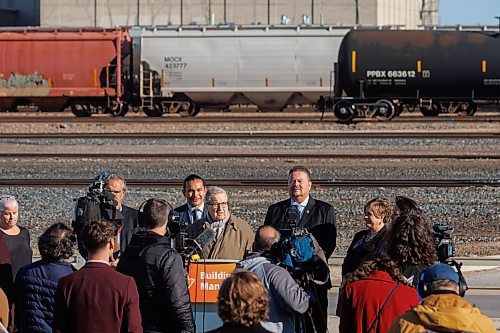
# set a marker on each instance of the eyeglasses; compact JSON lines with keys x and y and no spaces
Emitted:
{"x":116,"y":191}
{"x":7,"y":198}
{"x":218,"y":205}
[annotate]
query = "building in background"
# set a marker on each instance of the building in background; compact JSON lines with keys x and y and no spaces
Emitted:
{"x":19,"y":13}
{"x":110,"y":13}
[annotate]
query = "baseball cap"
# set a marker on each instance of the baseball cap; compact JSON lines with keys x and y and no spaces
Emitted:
{"x":440,"y":272}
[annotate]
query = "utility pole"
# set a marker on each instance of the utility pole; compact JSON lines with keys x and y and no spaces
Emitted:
{"x":95,"y":13}
{"x":138,"y":11}
{"x":182,"y":8}
{"x":225,"y":17}
{"x":357,"y":12}
{"x":312,"y":11}
{"x":268,"y":12}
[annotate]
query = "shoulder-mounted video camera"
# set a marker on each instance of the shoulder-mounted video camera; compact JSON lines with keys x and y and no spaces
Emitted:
{"x":444,"y":243}
{"x":299,"y":252}
{"x":98,"y":203}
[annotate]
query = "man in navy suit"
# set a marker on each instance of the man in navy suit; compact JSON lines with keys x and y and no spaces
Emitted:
{"x":194,"y":190}
{"x":318,"y":217}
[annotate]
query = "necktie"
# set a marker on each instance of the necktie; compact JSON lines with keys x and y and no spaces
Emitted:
{"x":194,"y":215}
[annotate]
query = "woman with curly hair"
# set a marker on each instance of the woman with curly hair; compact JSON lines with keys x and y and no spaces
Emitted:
{"x":243,"y":303}
{"x":411,"y":245}
{"x":36,"y":283}
{"x":375,"y":294}
{"x":404,"y":205}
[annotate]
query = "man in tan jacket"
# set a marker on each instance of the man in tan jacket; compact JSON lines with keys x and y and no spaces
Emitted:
{"x":233,"y":237}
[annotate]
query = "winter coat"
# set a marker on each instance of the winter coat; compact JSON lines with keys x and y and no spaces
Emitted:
{"x":233,"y":244}
{"x":158,"y":271}
{"x":35,"y":290}
{"x":285,"y":296}
{"x":443,"y":313}
{"x":363,"y":299}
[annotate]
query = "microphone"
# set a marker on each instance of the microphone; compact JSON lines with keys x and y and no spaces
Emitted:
{"x":204,"y":239}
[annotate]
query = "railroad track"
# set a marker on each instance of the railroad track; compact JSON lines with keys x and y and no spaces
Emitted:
{"x":230,"y":118}
{"x":259,"y":135}
{"x":259,"y":183}
{"x":238,"y":155}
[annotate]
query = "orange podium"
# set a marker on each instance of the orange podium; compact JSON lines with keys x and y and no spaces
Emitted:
{"x":204,"y":280}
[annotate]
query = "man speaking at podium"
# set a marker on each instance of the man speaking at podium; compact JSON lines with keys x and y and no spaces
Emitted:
{"x":158,"y":271}
{"x":233,"y":237}
{"x":318,"y":217}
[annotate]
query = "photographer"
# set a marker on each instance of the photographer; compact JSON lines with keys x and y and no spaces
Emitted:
{"x":286,"y":297}
{"x":159,"y":273}
{"x":443,"y":309}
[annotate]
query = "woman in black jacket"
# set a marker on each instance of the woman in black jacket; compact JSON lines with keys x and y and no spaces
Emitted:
{"x":371,"y":240}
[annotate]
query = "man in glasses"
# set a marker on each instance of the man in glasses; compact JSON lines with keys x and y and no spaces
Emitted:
{"x":232,"y":236}
{"x":118,"y":187}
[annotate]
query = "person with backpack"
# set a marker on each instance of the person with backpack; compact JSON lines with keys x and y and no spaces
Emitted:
{"x":158,"y":271}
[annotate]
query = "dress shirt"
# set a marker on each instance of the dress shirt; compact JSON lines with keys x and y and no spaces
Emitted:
{"x":300,"y":206}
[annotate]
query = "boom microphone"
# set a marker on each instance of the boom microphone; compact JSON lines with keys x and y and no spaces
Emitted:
{"x":205,"y":238}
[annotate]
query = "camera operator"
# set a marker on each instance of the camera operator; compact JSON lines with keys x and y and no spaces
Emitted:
{"x":286,"y":297}
{"x":158,"y":271}
{"x":104,"y":200}
{"x":318,"y":217}
{"x":443,"y":308}
{"x":118,"y":187}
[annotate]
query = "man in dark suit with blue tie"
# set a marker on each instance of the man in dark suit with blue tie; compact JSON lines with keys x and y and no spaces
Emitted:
{"x":194,"y":190}
{"x":318,"y":217}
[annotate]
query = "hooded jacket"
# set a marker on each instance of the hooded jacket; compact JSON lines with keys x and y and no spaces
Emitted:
{"x":285,"y":296}
{"x":443,"y":313}
{"x":159,"y":274}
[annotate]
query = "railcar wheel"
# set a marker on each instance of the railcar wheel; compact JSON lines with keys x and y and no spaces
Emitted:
{"x":433,"y":111}
{"x":81,"y":109}
{"x":468,"y":109}
{"x":189,"y":108}
{"x":119,"y":110}
{"x":154,"y":111}
{"x":344,"y":111}
{"x":385,"y":110}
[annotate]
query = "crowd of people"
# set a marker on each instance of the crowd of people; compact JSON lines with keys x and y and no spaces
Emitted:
{"x":134,"y":279}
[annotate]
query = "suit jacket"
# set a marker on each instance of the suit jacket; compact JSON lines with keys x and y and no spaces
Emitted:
{"x":97,"y":299}
{"x":130,"y":224}
{"x":184,"y":213}
{"x":318,"y":219}
{"x":234,"y":243}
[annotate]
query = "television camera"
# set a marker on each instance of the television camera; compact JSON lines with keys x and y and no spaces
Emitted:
{"x":298,"y":252}
{"x":445,"y":248}
{"x":98,"y":203}
{"x":180,"y":240}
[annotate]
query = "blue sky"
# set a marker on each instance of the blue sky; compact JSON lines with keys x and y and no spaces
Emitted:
{"x":468,"y":12}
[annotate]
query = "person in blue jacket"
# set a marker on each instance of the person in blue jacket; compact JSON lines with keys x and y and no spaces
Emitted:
{"x":35,"y":285}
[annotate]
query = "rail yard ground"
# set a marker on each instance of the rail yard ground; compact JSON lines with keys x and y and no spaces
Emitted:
{"x":473,"y":211}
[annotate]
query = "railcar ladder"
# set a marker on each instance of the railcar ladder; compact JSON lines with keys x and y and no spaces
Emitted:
{"x":146,"y":87}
